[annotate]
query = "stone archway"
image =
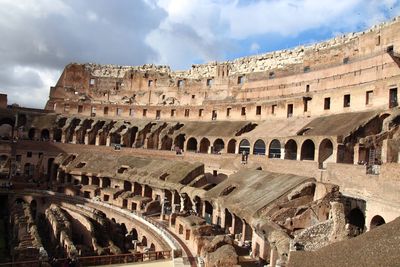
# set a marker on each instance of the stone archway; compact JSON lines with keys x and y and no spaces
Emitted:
{"x":291,"y":150}
{"x":307,"y":150}
{"x":259,"y":147}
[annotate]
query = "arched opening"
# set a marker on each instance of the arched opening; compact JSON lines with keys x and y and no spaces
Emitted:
{"x":134,"y":234}
{"x":274,"y":151}
{"x":208,"y":212}
{"x":127,"y":186}
{"x":115,"y":139}
{"x":84,"y":180}
{"x":259,"y":147}
{"x":106,"y":182}
{"x":244,"y":145}
{"x":148,"y":192}
{"x":57,"y":135}
{"x":191,"y":144}
{"x":152,"y":247}
{"x":231,"y":146}
{"x":291,"y":150}
{"x":33,"y":206}
{"x":144,"y":241}
{"x":137,"y":189}
{"x":6,"y":131}
{"x":204,"y":145}
{"x":356,"y":219}
{"x":31,"y":133}
{"x":376,"y":221}
{"x":307,"y":150}
{"x":325,"y":150}
{"x":45,"y":135}
{"x":218,"y":145}
{"x":228,"y":219}
{"x":95,"y":181}
{"x":166,"y":143}
{"x":179,"y":141}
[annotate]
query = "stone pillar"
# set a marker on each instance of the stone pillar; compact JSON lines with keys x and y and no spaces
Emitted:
{"x":162,"y":201}
{"x":237,"y":149}
{"x":316,"y":154}
{"x":384,"y":154}
{"x":97,"y":143}
{"x":182,"y":203}
{"x":63,"y":138}
{"x":273,"y":256}
{"x":86,"y":139}
{"x":356,"y":153}
{"x":209,"y":151}
{"x":108,"y":141}
{"x":203,"y":211}
{"x":282,"y":152}
{"x":223,"y":222}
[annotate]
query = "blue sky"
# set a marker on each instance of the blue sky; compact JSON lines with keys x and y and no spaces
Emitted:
{"x":39,"y":37}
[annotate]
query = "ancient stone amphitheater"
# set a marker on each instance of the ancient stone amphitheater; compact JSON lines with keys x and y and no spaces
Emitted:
{"x":288,"y":158}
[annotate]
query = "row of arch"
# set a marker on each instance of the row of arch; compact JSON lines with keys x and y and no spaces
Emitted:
{"x":290,"y":148}
{"x":274,"y":150}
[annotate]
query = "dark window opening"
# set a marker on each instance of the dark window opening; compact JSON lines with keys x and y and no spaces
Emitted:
{"x":201,"y":112}
{"x":258,"y":110}
{"x":273,"y":109}
{"x":228,"y":112}
{"x":290,"y":110}
{"x":243,"y":112}
{"x":307,"y":69}
{"x":181,"y":83}
{"x":214,"y":115}
{"x":158,"y":114}
{"x":240,"y":80}
{"x":150,"y":83}
{"x":173,"y":112}
{"x":307,"y":88}
{"x":345,"y":60}
{"x":105,"y":111}
{"x":368,"y":97}
{"x":271,"y":75}
{"x":393,"y":98}
{"x":144,"y":112}
{"x":187,"y":112}
{"x":193,"y":96}
{"x":209,"y":82}
{"x":80,"y":109}
{"x":327,"y":103}
{"x":346,"y":101}
{"x":29,"y":154}
{"x":390,"y":49}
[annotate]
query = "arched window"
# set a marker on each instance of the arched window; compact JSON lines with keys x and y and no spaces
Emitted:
{"x":356,"y":218}
{"x":259,"y":147}
{"x":218,"y":145}
{"x":244,"y":145}
{"x":191,"y":144}
{"x":274,"y":149}
{"x":325,"y":150}
{"x":204,"y":145}
{"x":376,"y":221}
{"x":291,"y":150}
{"x":231,"y":146}
{"x":45,"y":135}
{"x":307,"y":150}
{"x":179,"y":141}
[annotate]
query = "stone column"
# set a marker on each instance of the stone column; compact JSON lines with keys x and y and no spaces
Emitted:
{"x":108,"y":141}
{"x":273,"y":256}
{"x":182,"y":203}
{"x":384,"y":154}
{"x":356,"y":153}
{"x":97,"y":143}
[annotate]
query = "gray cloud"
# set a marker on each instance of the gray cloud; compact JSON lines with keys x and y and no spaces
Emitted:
{"x":38,"y":41}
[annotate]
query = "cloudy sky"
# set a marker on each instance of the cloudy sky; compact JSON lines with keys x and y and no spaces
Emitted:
{"x":39,"y":37}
